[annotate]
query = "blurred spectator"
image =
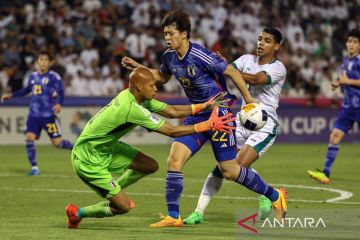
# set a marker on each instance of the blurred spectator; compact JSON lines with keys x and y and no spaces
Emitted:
{"x":90,"y":37}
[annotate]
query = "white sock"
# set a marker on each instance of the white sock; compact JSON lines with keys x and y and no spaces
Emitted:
{"x":35,"y":167}
{"x":211,"y":186}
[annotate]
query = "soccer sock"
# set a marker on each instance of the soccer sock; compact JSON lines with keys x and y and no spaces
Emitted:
{"x":100,"y":210}
{"x":331,"y":154}
{"x":31,"y":152}
{"x":254,"y":182}
{"x":130,"y":177}
{"x":217,"y":172}
{"x":65,"y":144}
{"x":211,"y":186}
{"x":173,"y":190}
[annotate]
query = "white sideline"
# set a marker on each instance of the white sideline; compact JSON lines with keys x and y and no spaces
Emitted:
{"x":337,"y":200}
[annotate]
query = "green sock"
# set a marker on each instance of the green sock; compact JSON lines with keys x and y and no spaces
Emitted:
{"x":129,"y":177}
{"x":99,"y":210}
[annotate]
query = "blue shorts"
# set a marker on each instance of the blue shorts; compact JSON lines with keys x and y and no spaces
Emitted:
{"x":50,"y":124}
{"x":346,"y":119}
{"x":223,"y":144}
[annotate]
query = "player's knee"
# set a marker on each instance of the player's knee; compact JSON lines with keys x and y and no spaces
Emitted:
{"x":335,"y":138}
{"x":229,"y":175}
{"x":174,"y":163}
{"x":150,"y":167}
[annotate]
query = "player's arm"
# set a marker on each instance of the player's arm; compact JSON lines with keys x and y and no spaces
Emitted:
{"x":59,"y":87}
{"x":344,"y":80}
{"x":236,"y":77}
{"x":176,"y":111}
{"x":19,"y":93}
{"x":131,"y":64}
{"x":260,"y":78}
{"x":213,"y":123}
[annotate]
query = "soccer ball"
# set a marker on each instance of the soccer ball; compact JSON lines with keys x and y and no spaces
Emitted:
{"x":252,"y":116}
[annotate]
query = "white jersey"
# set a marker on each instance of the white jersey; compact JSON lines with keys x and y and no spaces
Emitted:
{"x":268,"y":95}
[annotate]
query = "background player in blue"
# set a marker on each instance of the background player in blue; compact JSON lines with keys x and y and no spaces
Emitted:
{"x":47,"y":95}
{"x":350,"y":110}
{"x":201,"y":73}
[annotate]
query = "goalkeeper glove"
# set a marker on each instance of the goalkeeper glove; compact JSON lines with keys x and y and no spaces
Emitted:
{"x":215,"y":122}
{"x":216,"y":100}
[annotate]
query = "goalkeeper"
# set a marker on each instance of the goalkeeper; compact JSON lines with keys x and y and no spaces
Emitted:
{"x":98,"y":154}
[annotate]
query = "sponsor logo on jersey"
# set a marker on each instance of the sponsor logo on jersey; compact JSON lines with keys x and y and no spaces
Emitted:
{"x":223,"y":145}
{"x":112,"y":183}
{"x":154,"y":118}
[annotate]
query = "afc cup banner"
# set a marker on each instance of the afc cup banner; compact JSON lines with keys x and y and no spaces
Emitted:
{"x":72,"y":121}
{"x":297,"y":125}
{"x":310,"y":125}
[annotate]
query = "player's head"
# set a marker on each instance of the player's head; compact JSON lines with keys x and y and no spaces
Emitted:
{"x":142,"y":84}
{"x":44,"y":59}
{"x":177,"y":27}
{"x":268,"y":41}
{"x":353,"y":42}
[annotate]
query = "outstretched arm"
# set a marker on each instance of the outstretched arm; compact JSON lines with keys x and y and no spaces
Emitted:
{"x":236,"y":77}
{"x":213,"y":123}
{"x":259,"y":78}
{"x":131,"y":64}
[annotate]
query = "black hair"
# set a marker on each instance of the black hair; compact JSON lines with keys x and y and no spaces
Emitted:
{"x":276,"y":33}
{"x":46,"y":52}
{"x":181,"y":20}
{"x":353,"y":33}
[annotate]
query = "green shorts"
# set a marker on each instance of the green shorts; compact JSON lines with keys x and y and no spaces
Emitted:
{"x":99,"y":177}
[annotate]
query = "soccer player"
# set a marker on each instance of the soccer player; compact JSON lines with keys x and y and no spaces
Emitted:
{"x":350,"y":110}
{"x":201,"y":73}
{"x":98,"y":153}
{"x":47,"y":95}
{"x":265,"y":76}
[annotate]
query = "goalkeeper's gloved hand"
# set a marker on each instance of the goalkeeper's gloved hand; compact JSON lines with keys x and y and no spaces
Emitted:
{"x":215,"y":122}
{"x":217,"y":100}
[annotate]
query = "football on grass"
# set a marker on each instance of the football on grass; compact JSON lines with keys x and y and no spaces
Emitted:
{"x":252,"y":116}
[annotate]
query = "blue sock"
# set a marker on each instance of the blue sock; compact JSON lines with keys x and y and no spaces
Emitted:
{"x":254,"y":182}
{"x":173,"y":189}
{"x":31,"y":152}
{"x":65,"y":144}
{"x":331,"y":154}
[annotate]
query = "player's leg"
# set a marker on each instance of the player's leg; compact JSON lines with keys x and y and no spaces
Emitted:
{"x":181,"y":151}
{"x":342,"y":125}
{"x":101,"y":181}
{"x":32,"y":133}
{"x":53,"y":129}
{"x":252,"y":181}
{"x":131,"y":164}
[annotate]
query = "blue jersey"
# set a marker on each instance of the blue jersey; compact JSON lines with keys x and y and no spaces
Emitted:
{"x":200,"y":72}
{"x":351,"y":67}
{"x":46,"y":90}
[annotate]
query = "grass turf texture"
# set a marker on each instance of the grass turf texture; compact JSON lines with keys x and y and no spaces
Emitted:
{"x":33,"y":207}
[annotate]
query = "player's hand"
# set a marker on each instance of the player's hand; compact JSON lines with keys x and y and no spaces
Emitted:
{"x":335,"y":85}
{"x":129,"y":63}
{"x":216,"y":123}
{"x":343,"y":79}
{"x":5,"y":96}
{"x":252,"y":100}
{"x":217,"y":53}
{"x":57,"y":108}
{"x":216,"y":100}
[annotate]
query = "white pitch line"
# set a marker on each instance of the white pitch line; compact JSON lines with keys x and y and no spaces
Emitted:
{"x":343,"y":194}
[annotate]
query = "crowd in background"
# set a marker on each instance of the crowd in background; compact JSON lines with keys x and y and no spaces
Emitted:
{"x":90,"y":37}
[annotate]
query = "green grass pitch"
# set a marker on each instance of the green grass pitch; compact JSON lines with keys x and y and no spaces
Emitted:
{"x":33,"y":207}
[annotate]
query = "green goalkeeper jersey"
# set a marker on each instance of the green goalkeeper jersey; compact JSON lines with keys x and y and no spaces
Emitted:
{"x":101,"y":134}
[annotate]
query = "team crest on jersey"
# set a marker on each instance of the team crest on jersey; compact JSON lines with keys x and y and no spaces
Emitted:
{"x":45,"y":80}
{"x":191,"y":71}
